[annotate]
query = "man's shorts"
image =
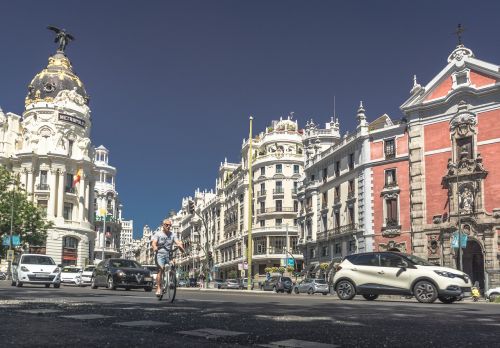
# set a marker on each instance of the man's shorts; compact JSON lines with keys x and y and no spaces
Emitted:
{"x":162,"y":259}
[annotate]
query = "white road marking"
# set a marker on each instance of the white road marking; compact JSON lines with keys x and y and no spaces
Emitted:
{"x":211,"y":333}
{"x":86,"y":316}
{"x":291,"y":318}
{"x":141,"y":323}
{"x":293,"y":343}
{"x":39,"y":311}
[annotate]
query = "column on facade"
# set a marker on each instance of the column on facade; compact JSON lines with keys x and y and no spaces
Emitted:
{"x":267,"y":244}
{"x":60,"y":194}
{"x":87,"y":201}
{"x":81,"y":198}
{"x":51,"y":209}
{"x":29,"y":185}
{"x":90,"y":205}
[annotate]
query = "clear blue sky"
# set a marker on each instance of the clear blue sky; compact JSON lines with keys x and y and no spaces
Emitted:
{"x":172,"y":83}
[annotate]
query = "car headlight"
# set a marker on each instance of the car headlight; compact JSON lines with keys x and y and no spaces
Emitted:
{"x":120,"y":273}
{"x":56,"y":270}
{"x":445,"y":274}
{"x":24,"y":269}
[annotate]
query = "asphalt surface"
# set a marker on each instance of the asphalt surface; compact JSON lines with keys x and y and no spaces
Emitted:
{"x":70,"y":316}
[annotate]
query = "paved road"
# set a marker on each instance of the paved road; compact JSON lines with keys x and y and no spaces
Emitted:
{"x":70,"y":316}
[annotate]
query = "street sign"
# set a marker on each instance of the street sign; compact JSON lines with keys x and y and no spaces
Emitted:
{"x":10,"y":255}
{"x":16,"y":240}
{"x":291,"y":262}
{"x":463,"y":240}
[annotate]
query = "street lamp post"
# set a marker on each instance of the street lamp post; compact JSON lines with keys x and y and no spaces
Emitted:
{"x":459,"y":229}
{"x":9,"y":269}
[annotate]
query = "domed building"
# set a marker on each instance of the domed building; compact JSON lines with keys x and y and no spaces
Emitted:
{"x":49,"y":147}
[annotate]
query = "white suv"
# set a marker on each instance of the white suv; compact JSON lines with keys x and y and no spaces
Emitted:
{"x":35,"y":269}
{"x":394,"y":273}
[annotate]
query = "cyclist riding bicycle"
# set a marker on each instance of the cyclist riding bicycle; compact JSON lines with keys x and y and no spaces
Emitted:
{"x":162,"y":245}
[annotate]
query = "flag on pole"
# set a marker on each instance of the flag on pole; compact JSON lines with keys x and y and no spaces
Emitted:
{"x":77,"y":177}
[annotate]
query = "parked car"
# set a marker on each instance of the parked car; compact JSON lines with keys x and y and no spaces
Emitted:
{"x":154,"y":271}
{"x":182,"y":283}
{"x":393,"y":273}
{"x":35,"y":269}
{"x":193,"y":283}
{"x":127,"y":274}
{"x":217,"y":283}
{"x":244,"y":284}
{"x":492,"y":294}
{"x":230,"y":284}
{"x":86,"y":275}
{"x":3,"y":275}
{"x":312,"y":286}
{"x":71,"y":275}
{"x":278,"y":284}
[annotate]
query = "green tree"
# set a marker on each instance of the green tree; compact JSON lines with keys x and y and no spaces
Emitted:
{"x":28,"y":221}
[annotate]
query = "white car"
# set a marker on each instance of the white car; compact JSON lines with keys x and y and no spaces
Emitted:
{"x":492,"y":294}
{"x":393,"y":273}
{"x":71,"y":275}
{"x":35,"y":269}
{"x":86,"y":275}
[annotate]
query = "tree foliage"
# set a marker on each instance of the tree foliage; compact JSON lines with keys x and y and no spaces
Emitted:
{"x":28,"y":220}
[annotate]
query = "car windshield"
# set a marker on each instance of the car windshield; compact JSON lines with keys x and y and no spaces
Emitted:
{"x":89,"y":269}
{"x":71,"y":270}
{"x":320,"y":281}
{"x":124,"y":263}
{"x":37,"y":260}
{"x":417,"y":260}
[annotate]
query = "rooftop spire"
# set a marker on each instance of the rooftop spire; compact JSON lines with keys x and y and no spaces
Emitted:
{"x":361,"y":112}
{"x":459,"y":32}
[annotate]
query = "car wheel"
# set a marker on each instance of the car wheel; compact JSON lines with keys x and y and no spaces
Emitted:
{"x":345,"y":290}
{"x":425,"y":292}
{"x":111,"y":284}
{"x":127,"y":288}
{"x":370,"y":297}
{"x":310,"y":291}
{"x":148,"y":289}
{"x":18,"y":283}
{"x":47,"y":285}
{"x":12,"y":283}
{"x":447,"y":299}
{"x":57,"y":286}
{"x":325,"y":293}
{"x":92,"y":283}
{"x":493,"y":296}
{"x":296,"y":290}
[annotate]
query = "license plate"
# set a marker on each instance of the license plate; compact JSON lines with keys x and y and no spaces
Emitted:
{"x":466,"y":294}
{"x":148,"y":279}
{"x":41,"y":275}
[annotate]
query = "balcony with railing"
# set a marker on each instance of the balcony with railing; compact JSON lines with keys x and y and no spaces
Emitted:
{"x":261,"y":193}
{"x":42,"y":187}
{"x":276,"y":210}
{"x":349,"y":228}
{"x":279,"y":191}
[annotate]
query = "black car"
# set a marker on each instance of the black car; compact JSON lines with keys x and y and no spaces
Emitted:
{"x":278,"y":284}
{"x":193,"y":283}
{"x":115,"y":273}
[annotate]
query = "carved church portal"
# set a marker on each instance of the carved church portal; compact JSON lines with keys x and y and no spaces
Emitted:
{"x":473,"y":262}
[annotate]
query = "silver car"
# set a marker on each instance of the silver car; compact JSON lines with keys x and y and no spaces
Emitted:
{"x":312,"y":286}
{"x":230,"y":284}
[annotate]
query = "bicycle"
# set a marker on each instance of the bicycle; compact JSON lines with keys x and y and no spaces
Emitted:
{"x":168,"y":282}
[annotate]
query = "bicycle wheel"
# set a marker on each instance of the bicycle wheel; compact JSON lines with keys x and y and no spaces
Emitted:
{"x":172,"y":286}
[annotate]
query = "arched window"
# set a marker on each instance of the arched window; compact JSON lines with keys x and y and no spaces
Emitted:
{"x":69,"y":251}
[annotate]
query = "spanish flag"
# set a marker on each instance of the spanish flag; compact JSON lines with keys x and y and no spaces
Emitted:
{"x":77,"y":177}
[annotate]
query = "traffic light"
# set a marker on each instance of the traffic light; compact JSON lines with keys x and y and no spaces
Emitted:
{"x":191,"y":207}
